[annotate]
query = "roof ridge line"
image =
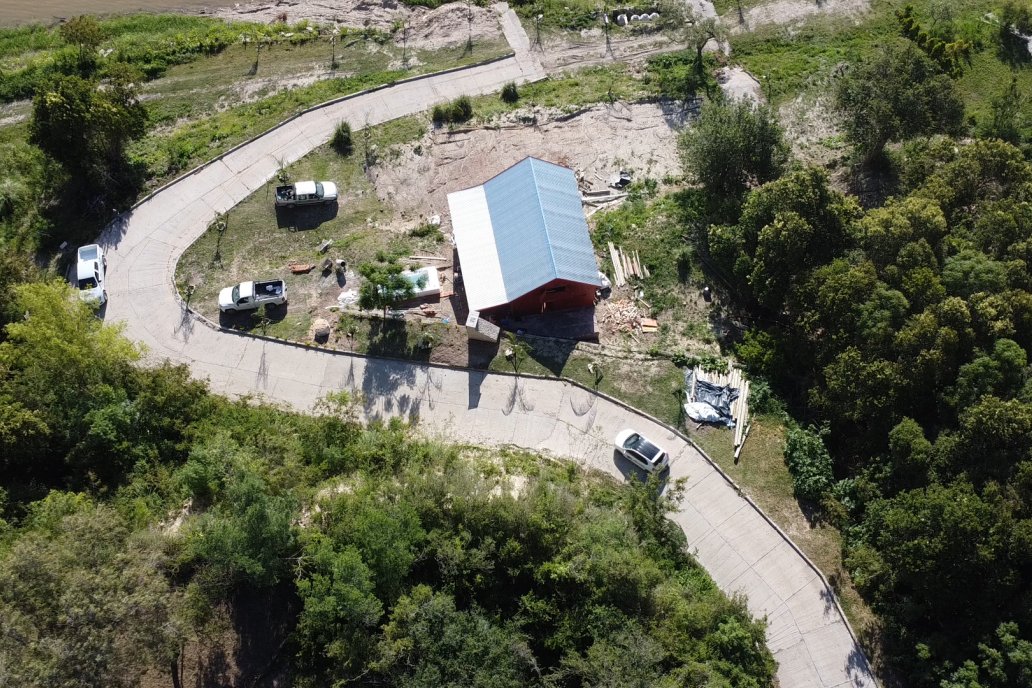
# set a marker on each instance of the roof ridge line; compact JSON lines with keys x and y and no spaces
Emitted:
{"x":541,"y":209}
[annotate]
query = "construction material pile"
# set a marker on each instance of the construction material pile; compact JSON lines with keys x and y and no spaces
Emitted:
{"x":618,"y":316}
{"x":720,"y":398}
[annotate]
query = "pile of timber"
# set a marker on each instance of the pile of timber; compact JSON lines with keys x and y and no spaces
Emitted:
{"x":740,"y":408}
{"x":626,"y":265}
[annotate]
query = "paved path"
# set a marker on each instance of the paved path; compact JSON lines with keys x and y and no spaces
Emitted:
{"x":739,"y":548}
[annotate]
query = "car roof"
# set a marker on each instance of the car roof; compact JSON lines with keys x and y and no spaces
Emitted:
{"x":304,"y":188}
{"x":641,"y":445}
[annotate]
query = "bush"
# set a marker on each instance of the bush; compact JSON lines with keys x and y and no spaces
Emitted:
{"x":427,"y":230}
{"x":341,"y":141}
{"x":458,"y":111}
{"x":510,"y":94}
{"x":809,"y":463}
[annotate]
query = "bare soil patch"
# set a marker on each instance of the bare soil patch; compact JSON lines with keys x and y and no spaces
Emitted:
{"x":595,"y":142}
{"x":427,"y":29}
{"x":786,"y":12}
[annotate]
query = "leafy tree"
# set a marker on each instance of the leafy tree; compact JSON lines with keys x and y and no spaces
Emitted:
{"x":85,"y":33}
{"x":809,"y":463}
{"x":1004,"y":663}
{"x":896,"y":95}
{"x":245,"y":541}
{"x":86,"y":128}
{"x":61,"y":363}
{"x":428,"y":643}
{"x":84,"y":602}
{"x":340,"y":611}
{"x":384,"y":284}
{"x":787,"y":227}
{"x":734,"y":146}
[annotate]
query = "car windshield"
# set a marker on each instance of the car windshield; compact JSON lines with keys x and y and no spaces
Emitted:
{"x":642,"y":446}
{"x":88,"y":283}
{"x":318,"y":189}
{"x":88,"y":252}
{"x":236,"y":293}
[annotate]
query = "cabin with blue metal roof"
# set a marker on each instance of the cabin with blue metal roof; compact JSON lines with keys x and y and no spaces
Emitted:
{"x":523,"y":242}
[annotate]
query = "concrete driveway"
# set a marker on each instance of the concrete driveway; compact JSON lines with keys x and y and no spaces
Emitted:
{"x":742,"y":551}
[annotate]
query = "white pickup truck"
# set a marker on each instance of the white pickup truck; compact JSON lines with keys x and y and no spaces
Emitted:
{"x":306,"y":193}
{"x":247,"y":296}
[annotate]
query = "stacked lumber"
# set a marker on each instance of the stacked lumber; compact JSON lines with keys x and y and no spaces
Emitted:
{"x":740,"y":408}
{"x":626,"y":265}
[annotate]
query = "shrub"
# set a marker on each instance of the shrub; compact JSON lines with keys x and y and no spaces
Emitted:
{"x":427,"y":230}
{"x":510,"y":94}
{"x":809,"y":463}
{"x":458,"y":111}
{"x":341,"y":141}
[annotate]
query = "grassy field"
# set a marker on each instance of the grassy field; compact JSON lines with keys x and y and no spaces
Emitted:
{"x":191,"y":130}
{"x":569,"y":91}
{"x":259,"y":241}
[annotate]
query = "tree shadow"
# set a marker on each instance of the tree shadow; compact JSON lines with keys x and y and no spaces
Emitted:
{"x":1013,"y":49}
{"x":263,"y":621}
{"x":383,"y":379}
{"x":305,"y":218}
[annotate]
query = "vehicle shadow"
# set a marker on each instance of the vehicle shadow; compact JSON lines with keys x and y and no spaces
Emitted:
{"x":304,"y":218}
{"x":632,"y":472}
{"x":250,"y":320}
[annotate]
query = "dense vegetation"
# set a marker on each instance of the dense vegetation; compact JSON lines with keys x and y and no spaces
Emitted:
{"x":899,"y":336}
{"x":139,"y":511}
{"x":32,"y":55}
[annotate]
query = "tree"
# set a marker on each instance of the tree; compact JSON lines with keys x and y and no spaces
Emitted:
{"x":809,"y":463}
{"x":787,"y":227}
{"x":61,"y":362}
{"x":734,"y":146}
{"x":83,"y":602}
{"x":896,"y":95}
{"x":698,"y":32}
{"x":86,"y":128}
{"x":84,"y":32}
{"x":428,"y":643}
{"x":340,"y":611}
{"x":385,"y":284}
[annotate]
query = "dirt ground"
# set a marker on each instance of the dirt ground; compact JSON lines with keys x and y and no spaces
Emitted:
{"x":810,"y":127}
{"x":427,"y":29}
{"x":795,"y":11}
{"x":595,"y":142}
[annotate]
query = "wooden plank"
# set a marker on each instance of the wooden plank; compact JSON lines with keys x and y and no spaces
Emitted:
{"x":745,"y":435}
{"x":617,"y":268}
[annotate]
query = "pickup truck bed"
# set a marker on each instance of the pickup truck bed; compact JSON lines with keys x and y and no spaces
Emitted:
{"x":263,"y":290}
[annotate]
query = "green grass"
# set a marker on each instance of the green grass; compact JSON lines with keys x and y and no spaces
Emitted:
{"x":195,"y":129}
{"x":650,"y":384}
{"x":254,"y":244}
{"x":570,"y":91}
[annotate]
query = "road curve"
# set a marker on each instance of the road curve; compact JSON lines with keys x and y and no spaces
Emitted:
{"x":741,"y":550}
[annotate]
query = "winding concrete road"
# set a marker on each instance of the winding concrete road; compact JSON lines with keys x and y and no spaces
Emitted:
{"x":742,"y":551}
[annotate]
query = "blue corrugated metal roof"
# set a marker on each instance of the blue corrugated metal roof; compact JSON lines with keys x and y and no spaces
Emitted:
{"x":539,"y":227}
